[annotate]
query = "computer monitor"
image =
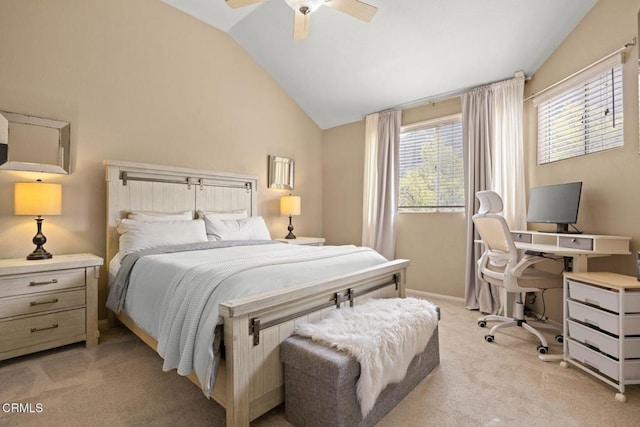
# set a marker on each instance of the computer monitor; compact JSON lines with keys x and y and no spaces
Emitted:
{"x":555,"y":204}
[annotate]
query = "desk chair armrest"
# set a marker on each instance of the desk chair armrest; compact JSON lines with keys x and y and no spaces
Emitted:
{"x":526,"y":262}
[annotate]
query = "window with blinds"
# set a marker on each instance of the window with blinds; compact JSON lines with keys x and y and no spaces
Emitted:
{"x":584,"y":118}
{"x":431,"y":166}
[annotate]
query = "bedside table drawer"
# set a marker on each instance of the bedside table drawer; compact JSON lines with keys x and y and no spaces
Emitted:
{"x":58,"y":328}
{"x":306,"y":241}
{"x":17,"y":306}
{"x":40,"y":282}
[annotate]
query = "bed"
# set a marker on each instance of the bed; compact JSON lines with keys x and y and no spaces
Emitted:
{"x":249,"y":380}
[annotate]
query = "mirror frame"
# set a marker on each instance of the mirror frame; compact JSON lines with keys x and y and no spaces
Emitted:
{"x":64,"y":136}
{"x":281,"y":172}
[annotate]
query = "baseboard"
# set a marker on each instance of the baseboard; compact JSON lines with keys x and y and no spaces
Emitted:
{"x":426,"y":295}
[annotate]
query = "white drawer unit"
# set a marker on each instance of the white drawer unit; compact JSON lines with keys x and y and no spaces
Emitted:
{"x":602,"y":327}
{"x":48,"y":303}
{"x":601,"y":319}
{"x":603,"y":342}
{"x":601,"y":363}
{"x":607,"y":299}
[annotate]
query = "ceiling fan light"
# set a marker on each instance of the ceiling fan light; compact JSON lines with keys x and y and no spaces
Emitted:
{"x":311,"y":5}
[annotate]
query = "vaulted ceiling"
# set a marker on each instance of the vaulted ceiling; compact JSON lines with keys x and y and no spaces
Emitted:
{"x":412,"y":50}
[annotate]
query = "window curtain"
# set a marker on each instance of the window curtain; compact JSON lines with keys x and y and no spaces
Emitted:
{"x":493,"y":142}
{"x":508,"y":168}
{"x":380,"y":198}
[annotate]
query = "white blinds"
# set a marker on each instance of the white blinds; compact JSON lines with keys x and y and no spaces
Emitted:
{"x":583,"y":117}
{"x":431,"y":165}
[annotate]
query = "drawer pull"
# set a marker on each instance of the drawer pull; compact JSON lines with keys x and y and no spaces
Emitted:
{"x":50,"y":282}
{"x":592,"y":323}
{"x":51,"y":301}
{"x":592,"y":302}
{"x":55,"y":325}
{"x":591,"y":365}
{"x":591,"y":344}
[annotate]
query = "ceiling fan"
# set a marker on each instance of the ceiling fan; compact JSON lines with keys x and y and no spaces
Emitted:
{"x":303,"y":8}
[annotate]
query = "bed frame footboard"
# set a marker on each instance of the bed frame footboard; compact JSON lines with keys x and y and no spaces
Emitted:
{"x":254,"y":327}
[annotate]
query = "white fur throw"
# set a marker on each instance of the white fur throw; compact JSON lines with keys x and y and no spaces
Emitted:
{"x":384,"y":335}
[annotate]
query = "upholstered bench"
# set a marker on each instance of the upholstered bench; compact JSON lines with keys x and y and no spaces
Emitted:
{"x":320,"y":384}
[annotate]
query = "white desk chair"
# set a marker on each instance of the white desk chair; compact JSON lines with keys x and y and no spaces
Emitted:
{"x":501,"y":264}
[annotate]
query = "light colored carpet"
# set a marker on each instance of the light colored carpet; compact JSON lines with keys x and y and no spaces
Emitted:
{"x":121,"y":383}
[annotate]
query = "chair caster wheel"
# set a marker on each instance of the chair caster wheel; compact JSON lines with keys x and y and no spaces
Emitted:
{"x":559,"y":339}
{"x":621,"y":397}
{"x":542,"y":349}
{"x":564,"y":364}
{"x":488,"y":338}
{"x":482,"y":323}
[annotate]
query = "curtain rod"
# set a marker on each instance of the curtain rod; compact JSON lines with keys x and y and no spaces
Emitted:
{"x":582,"y":70}
{"x":452,"y":94}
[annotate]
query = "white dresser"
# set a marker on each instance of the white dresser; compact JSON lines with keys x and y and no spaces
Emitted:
{"x":602,"y":327}
{"x":48,"y":303}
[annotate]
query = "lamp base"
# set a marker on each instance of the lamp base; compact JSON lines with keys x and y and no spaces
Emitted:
{"x":290,"y":228}
{"x":39,"y":240}
{"x":39,"y":253}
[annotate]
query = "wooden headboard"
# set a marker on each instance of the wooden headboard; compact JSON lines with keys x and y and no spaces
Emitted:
{"x":145,"y":187}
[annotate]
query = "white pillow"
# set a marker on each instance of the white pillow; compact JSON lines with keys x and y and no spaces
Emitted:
{"x":252,"y":228}
{"x":139,"y":235}
{"x":239,"y":214}
{"x":150,"y":216}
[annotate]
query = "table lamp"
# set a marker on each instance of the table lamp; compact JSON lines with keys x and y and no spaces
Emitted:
{"x":290,"y":205}
{"x":38,"y":198}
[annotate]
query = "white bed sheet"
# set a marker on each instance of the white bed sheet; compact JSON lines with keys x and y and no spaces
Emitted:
{"x":153,"y":276}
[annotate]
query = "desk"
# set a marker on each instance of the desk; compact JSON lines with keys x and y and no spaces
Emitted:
{"x":580,"y":247}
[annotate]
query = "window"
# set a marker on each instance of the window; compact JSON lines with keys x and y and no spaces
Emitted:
{"x":431,"y":166}
{"x":583,"y":117}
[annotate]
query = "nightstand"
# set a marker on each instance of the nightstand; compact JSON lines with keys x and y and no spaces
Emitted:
{"x":309,"y":241}
{"x":48,"y":303}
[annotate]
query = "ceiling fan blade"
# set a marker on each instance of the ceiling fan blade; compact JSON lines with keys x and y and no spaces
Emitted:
{"x":240,"y":3}
{"x":300,"y":25}
{"x":355,"y":8}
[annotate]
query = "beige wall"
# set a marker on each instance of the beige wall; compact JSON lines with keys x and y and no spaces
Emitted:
{"x":434,"y":242}
{"x":143,"y":82}
{"x":343,"y":178}
{"x":611,"y":180}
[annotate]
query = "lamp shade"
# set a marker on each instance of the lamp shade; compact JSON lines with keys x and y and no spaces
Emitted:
{"x":37,"y":198}
{"x":290,"y":205}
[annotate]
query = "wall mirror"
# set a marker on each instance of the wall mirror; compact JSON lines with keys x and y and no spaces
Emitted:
{"x":281,"y":172}
{"x":35,"y":144}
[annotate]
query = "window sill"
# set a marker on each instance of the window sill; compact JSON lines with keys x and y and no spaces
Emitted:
{"x":429,"y":210}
